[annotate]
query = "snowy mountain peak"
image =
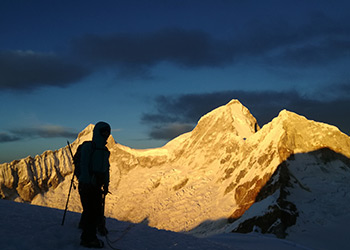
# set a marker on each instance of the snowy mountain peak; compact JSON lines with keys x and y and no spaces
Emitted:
{"x":232,"y":117}
{"x":87,"y":132}
{"x":86,"y":135}
{"x":303,"y":135}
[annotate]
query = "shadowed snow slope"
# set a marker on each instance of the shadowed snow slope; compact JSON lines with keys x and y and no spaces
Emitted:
{"x":206,"y":181}
{"x":28,"y":227}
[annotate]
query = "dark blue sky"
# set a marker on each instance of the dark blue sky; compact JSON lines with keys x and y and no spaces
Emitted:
{"x":153,"y":68}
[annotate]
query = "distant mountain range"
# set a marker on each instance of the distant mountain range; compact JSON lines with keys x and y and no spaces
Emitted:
{"x":227,"y":175}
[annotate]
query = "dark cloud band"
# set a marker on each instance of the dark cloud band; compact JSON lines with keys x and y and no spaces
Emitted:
{"x":273,"y":43}
{"x":190,"y":48}
{"x":28,"y":70}
{"x":319,"y":42}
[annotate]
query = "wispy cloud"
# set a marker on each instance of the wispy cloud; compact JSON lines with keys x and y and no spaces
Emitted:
{"x":8,"y":137}
{"x":44,"y":131}
{"x":317,"y":53}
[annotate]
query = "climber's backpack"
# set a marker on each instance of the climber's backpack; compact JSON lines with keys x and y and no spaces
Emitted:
{"x":77,"y":156}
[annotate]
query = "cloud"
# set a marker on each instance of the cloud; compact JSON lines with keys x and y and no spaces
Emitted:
{"x":45,"y":131}
{"x":264,"y":105}
{"x":186,"y":108}
{"x":335,"y":91}
{"x":27,"y":70}
{"x":170,"y":131}
{"x":7,"y":137}
{"x":282,"y":43}
{"x":320,"y":41}
{"x":190,"y":48}
{"x":318,"y":53}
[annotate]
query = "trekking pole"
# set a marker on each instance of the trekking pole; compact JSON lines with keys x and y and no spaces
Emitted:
{"x":70,"y":188}
{"x":103,"y":218}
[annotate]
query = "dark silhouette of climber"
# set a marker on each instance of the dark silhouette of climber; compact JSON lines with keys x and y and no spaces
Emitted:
{"x":93,"y":185}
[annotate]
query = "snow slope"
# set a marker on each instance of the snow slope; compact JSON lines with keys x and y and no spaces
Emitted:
{"x":25,"y":226}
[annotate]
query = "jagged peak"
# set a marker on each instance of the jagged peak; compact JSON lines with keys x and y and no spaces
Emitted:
{"x":234,"y":106}
{"x":304,"y":135}
{"x":291,"y":118}
{"x":86,"y":131}
{"x":287,"y":115}
{"x":233,"y":116}
{"x":233,"y":102}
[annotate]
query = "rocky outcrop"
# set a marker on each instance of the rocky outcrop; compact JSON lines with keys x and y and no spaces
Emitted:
{"x":22,"y":180}
{"x":307,"y":188}
{"x":280,"y":214}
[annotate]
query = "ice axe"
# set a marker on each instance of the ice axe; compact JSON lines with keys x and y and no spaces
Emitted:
{"x":70,"y":187}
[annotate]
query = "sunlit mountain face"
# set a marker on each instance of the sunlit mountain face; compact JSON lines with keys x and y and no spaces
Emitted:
{"x":226,"y":175}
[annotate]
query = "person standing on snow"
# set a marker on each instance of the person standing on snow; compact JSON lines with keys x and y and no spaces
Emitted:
{"x":93,"y":185}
